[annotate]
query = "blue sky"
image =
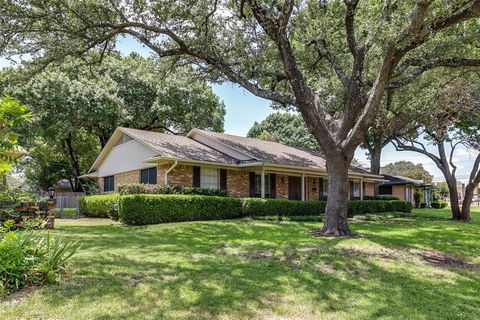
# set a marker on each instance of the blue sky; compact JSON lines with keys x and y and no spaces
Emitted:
{"x":243,"y":109}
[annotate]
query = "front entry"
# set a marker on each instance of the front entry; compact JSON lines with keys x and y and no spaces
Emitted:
{"x":294,"y":188}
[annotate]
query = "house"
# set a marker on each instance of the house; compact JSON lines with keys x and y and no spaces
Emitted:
{"x":404,"y":188}
{"x":245,"y":167}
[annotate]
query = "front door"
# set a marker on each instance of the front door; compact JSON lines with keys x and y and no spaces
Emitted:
{"x":294,"y":188}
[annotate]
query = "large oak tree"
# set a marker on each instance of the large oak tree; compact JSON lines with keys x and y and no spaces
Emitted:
{"x":331,"y":60}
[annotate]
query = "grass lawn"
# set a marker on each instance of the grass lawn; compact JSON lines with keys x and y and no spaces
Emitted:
{"x":421,"y":268}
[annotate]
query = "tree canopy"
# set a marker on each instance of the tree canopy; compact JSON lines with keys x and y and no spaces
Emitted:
{"x":77,"y":107}
{"x":12,"y":117}
{"x":330,"y":60}
{"x":286,"y":128}
{"x":408,"y":169}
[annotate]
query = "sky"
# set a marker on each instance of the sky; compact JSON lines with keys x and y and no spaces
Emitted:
{"x":243,"y":109}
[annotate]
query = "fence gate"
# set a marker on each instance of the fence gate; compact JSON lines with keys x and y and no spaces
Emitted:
{"x":67,"y":205}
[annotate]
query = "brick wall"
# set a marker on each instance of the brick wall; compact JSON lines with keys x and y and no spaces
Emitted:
{"x":398,"y":191}
{"x":282,"y":186}
{"x":238,"y":183}
{"x":313,"y":191}
{"x":182,"y":175}
{"x":126,"y":178}
{"x":369,"y":189}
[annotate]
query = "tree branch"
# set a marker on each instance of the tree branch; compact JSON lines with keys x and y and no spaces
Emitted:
{"x":323,"y":51}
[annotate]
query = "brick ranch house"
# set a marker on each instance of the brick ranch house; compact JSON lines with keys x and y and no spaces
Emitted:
{"x":245,"y":167}
{"x":404,"y":188}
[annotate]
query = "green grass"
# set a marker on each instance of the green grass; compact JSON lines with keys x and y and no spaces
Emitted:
{"x":424,"y":267}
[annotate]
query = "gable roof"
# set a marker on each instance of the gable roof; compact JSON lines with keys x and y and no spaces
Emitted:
{"x":398,"y":180}
{"x":267,"y":151}
{"x":213,"y":147}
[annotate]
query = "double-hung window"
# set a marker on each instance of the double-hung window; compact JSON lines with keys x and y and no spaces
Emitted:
{"x":209,"y":178}
{"x":258,"y":185}
{"x":148,"y":176}
{"x":109,"y":184}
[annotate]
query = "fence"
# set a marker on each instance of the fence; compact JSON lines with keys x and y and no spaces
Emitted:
{"x":67,"y":204}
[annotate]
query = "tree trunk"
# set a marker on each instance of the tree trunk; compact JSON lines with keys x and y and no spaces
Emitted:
{"x":467,"y":202}
{"x":452,"y":188}
{"x":375,"y":158}
{"x":336,"y":223}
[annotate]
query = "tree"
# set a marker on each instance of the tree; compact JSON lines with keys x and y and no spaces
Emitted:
{"x":12,"y":117}
{"x":440,"y":191}
{"x":286,"y":128}
{"x":457,"y":124}
{"x":408,"y":169}
{"x":330,"y":60}
{"x":78,"y":107}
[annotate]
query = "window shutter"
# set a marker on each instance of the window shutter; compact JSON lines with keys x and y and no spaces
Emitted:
{"x":320,"y":188}
{"x":196,"y":177}
{"x":251,"y":185}
{"x":223,"y":179}
{"x":273,"y":187}
{"x":351,"y":190}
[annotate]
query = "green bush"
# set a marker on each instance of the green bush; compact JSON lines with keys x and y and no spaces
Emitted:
{"x":99,"y":206}
{"x":152,"y":209}
{"x":417,"y":196}
{"x":140,"y":188}
{"x":380,"y":198}
{"x":282,"y":207}
{"x":439,"y":204}
{"x":423,"y":205}
{"x":26,"y":259}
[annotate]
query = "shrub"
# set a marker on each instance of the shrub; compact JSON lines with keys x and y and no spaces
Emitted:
{"x":282,"y":207}
{"x":140,"y":188}
{"x":100,"y":206}
{"x":151,"y":209}
{"x":26,"y":259}
{"x":380,"y":198}
{"x":423,"y":205}
{"x":439,"y":204}
{"x":417,"y":196}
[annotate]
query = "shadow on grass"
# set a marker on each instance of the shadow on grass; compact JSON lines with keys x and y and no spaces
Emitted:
{"x":182,"y":270}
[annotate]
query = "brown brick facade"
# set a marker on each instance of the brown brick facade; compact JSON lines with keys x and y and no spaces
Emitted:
{"x":282,"y":186}
{"x":128,"y":177}
{"x":369,"y":189}
{"x":238,"y":183}
{"x":313,"y":191}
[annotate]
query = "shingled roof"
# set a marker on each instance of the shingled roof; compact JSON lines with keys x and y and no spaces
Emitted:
{"x":179,"y":147}
{"x":399,"y":180}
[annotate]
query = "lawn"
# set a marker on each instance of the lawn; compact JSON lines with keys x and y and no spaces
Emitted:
{"x":420,"y":268}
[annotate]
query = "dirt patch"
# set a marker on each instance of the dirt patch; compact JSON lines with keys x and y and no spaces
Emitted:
{"x":18,"y":296}
{"x":442,"y":259}
{"x":258,"y":255}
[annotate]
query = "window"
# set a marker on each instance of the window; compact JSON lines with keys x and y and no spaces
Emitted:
{"x":148,"y":176}
{"x":123,"y":139}
{"x":325,"y":187}
{"x":408,"y":193}
{"x":258,"y":185}
{"x":385,"y":190}
{"x":209,"y":178}
{"x":109,"y":184}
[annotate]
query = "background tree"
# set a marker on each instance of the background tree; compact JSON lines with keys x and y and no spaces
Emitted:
{"x":12,"y":117}
{"x":286,"y":128}
{"x":408,"y":169}
{"x":77,"y":107}
{"x":330,"y":60}
{"x":456,"y":125}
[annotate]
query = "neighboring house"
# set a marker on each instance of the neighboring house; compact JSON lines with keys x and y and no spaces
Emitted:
{"x":245,"y":167}
{"x":404,"y":188}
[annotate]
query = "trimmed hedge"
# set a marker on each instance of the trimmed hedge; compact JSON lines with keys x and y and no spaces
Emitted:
{"x":152,"y":209}
{"x":140,"y":188}
{"x":99,"y":206}
{"x":282,"y":207}
{"x":439,"y":204}
{"x":380,"y":198}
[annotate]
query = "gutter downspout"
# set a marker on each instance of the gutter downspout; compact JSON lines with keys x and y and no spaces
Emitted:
{"x":168,"y":171}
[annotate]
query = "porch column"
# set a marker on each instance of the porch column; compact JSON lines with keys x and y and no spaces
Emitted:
{"x":303,"y":187}
{"x":262,"y":184}
{"x":361,"y":189}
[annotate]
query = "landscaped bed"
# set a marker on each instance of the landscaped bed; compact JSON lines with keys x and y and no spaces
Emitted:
{"x":424,"y":267}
